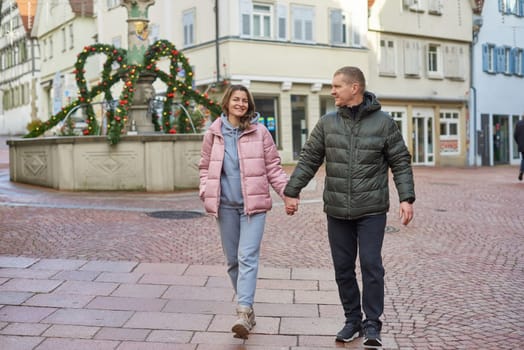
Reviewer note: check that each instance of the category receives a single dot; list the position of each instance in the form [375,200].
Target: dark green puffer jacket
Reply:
[358,151]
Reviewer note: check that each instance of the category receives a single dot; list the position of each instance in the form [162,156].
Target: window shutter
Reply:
[281,22]
[512,57]
[246,8]
[411,58]
[485,61]
[501,64]
[521,58]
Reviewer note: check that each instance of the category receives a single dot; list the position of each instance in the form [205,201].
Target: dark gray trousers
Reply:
[365,237]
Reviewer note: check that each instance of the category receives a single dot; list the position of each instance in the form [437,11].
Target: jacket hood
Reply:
[229,127]
[369,105]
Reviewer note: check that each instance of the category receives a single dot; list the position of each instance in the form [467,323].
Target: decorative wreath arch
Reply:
[176,87]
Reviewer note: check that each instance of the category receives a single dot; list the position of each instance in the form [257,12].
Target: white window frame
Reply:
[246,7]
[71,36]
[337,27]
[447,119]
[303,23]
[64,39]
[281,22]
[434,61]
[414,5]
[188,27]
[518,65]
[262,21]
[507,61]
[399,114]
[387,57]
[435,7]
[154,33]
[111,4]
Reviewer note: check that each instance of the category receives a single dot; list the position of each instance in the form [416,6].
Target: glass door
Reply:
[422,140]
[501,139]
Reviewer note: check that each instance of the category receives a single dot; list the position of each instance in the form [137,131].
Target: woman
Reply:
[239,161]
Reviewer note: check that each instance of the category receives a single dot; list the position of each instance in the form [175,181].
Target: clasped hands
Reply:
[291,205]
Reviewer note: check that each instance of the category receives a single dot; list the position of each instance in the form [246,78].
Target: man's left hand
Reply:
[406,212]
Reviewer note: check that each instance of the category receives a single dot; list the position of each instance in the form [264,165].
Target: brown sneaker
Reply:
[244,323]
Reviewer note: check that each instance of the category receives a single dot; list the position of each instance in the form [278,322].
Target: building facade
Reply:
[415,54]
[63,29]
[497,81]
[284,51]
[19,66]
[419,68]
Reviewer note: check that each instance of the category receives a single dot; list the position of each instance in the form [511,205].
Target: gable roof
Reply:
[27,10]
[82,7]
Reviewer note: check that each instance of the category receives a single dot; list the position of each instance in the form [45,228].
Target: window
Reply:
[434,60]
[414,5]
[113,3]
[518,62]
[23,50]
[262,21]
[411,58]
[245,17]
[508,62]
[281,22]
[489,62]
[154,33]
[268,109]
[435,7]
[188,21]
[387,58]
[302,19]
[500,57]
[50,48]
[449,132]
[44,50]
[399,116]
[337,32]
[64,39]
[71,37]
[454,62]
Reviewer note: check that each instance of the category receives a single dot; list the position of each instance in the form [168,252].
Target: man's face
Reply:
[343,91]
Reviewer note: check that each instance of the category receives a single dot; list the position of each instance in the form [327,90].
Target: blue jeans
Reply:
[522,162]
[241,237]
[365,237]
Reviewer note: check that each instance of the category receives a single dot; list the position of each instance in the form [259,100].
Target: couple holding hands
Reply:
[359,143]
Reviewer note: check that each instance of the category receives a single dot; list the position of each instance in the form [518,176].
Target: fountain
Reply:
[129,154]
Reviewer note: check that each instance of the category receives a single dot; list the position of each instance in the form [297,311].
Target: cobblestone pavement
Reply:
[98,270]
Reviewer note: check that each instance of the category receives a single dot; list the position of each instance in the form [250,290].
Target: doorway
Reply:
[299,125]
[501,139]
[422,140]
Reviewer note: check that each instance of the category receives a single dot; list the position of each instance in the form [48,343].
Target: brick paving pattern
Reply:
[94,270]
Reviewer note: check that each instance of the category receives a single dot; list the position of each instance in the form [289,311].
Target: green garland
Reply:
[176,87]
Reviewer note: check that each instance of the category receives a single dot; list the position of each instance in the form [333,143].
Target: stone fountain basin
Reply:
[149,162]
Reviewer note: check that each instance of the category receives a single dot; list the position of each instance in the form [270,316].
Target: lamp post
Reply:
[138,42]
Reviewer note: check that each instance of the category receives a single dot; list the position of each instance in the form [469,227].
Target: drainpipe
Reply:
[477,24]
[217,49]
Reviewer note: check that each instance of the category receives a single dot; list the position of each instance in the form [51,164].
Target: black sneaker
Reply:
[372,338]
[351,331]
[520,176]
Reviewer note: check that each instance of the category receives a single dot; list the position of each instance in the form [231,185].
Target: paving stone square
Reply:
[92,271]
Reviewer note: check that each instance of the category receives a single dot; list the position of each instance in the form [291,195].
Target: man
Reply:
[519,139]
[359,143]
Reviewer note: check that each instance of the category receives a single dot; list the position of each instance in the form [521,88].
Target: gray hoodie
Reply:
[230,184]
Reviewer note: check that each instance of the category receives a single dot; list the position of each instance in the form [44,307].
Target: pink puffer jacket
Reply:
[259,167]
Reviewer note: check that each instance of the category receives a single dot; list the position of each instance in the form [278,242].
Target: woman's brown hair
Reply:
[245,121]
